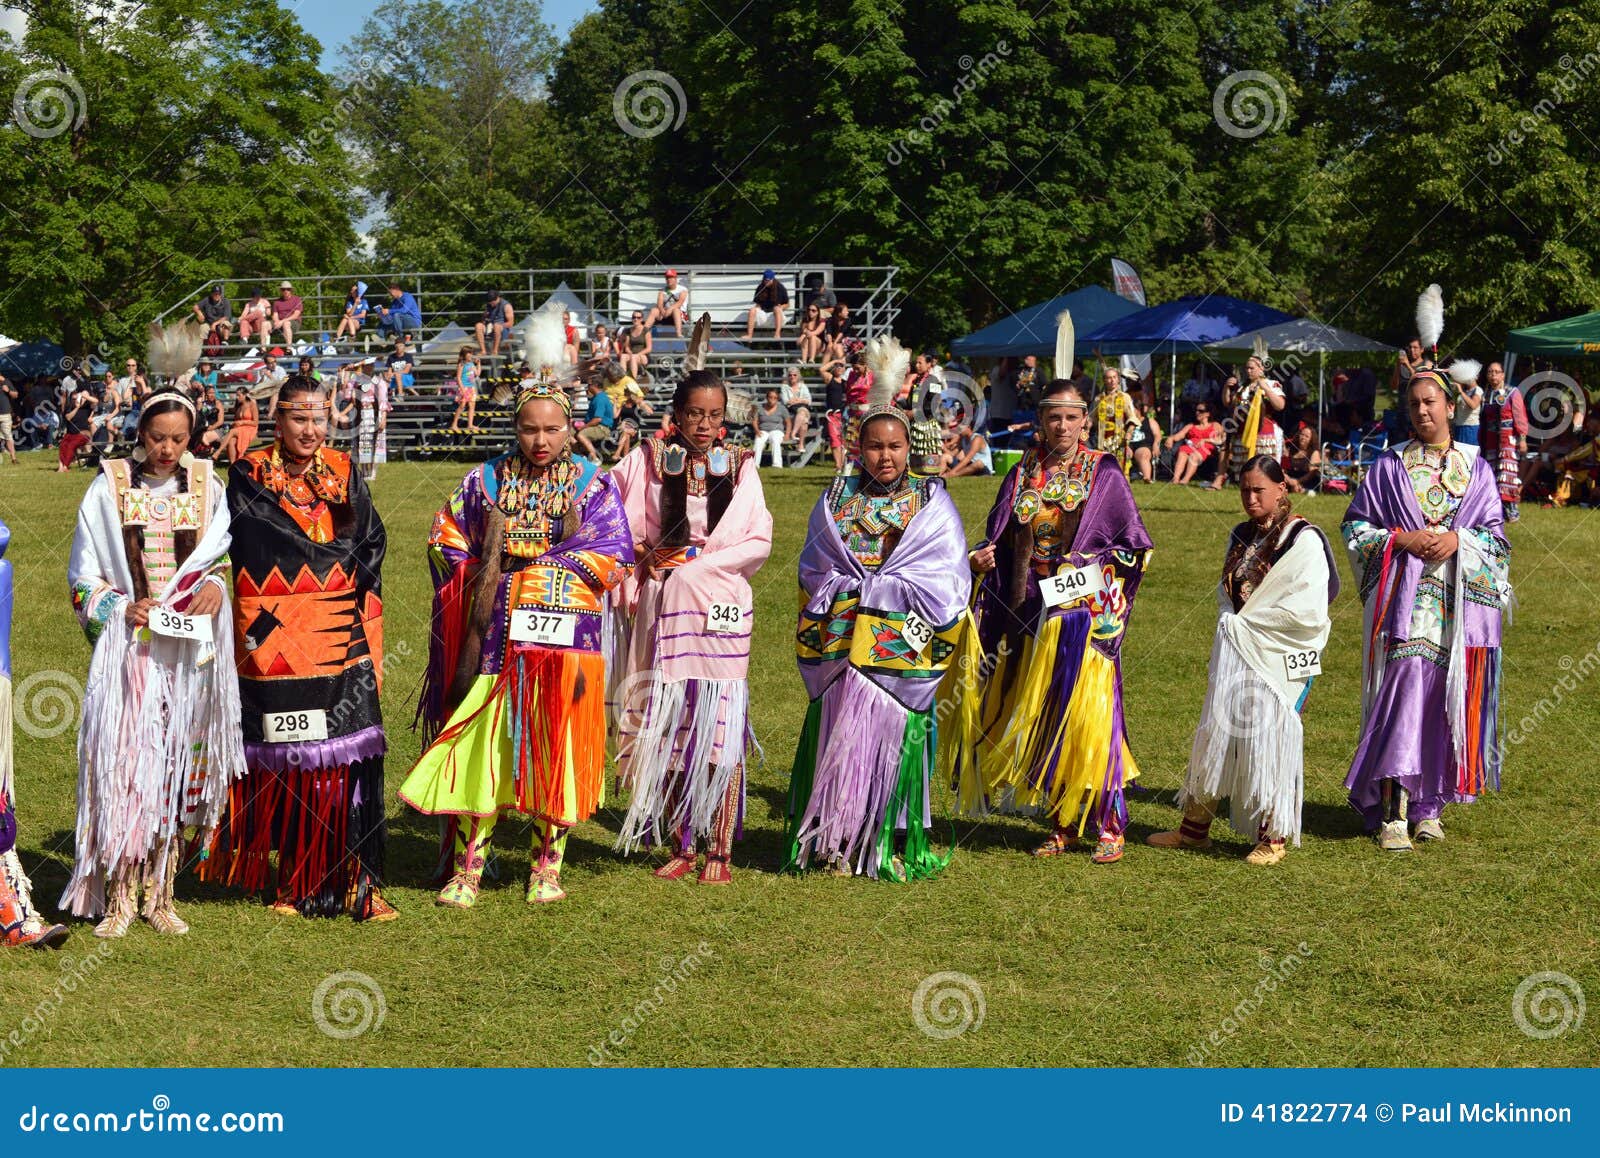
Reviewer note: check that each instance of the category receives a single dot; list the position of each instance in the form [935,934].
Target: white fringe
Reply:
[11,869]
[1248,748]
[7,788]
[651,759]
[149,729]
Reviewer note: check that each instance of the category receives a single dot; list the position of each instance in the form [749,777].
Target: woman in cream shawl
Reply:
[1277,581]
[160,739]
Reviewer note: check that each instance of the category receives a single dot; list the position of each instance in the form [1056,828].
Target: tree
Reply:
[162,144]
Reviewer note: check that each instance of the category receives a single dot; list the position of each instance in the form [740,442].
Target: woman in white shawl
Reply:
[160,739]
[1277,582]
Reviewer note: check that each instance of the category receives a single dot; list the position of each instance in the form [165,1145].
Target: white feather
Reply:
[1463,371]
[889,361]
[173,350]
[1066,343]
[1430,315]
[547,340]
[694,355]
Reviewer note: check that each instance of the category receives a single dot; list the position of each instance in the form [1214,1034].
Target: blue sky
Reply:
[335,21]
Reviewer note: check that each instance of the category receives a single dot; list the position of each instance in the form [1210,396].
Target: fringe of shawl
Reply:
[1249,748]
[678,754]
[158,750]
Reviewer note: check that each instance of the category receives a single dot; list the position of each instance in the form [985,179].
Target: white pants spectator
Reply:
[774,439]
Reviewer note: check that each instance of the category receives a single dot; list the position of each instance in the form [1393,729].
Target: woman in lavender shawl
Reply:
[1429,551]
[1053,735]
[883,579]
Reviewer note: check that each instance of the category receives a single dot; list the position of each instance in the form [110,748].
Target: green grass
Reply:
[1413,959]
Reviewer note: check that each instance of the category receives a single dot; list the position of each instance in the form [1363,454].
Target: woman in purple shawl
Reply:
[1429,550]
[1059,571]
[884,580]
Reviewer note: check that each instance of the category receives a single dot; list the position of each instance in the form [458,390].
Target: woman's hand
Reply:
[1438,548]
[206,600]
[982,560]
[138,612]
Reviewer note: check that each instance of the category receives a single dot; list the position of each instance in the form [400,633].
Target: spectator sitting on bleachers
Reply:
[77,418]
[268,379]
[840,329]
[216,315]
[769,303]
[823,298]
[569,352]
[308,369]
[498,318]
[768,423]
[813,334]
[207,434]
[287,309]
[633,347]
[355,313]
[255,320]
[398,369]
[401,316]
[797,397]
[597,427]
[672,305]
[631,417]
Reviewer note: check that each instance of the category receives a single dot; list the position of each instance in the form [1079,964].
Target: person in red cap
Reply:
[672,305]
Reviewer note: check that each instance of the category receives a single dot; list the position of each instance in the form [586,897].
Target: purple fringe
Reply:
[335,753]
[1069,660]
[858,766]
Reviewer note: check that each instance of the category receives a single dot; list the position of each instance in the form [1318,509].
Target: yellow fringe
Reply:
[1005,761]
[960,728]
[1252,427]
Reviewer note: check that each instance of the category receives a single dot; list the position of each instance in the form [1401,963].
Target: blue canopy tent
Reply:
[1187,324]
[1033,330]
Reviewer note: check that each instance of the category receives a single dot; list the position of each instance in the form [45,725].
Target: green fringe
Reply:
[800,781]
[917,750]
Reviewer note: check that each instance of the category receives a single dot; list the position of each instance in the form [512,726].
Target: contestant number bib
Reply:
[551,628]
[917,632]
[173,625]
[1070,585]
[725,619]
[294,727]
[1302,665]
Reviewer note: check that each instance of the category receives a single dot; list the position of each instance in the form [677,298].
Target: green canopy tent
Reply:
[1577,337]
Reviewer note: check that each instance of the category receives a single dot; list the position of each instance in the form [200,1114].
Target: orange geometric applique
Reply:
[304,581]
[298,636]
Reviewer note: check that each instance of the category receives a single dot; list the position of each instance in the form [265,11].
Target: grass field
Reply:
[1373,959]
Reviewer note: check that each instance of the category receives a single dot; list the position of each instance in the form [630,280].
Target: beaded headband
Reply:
[175,396]
[545,392]
[310,406]
[1077,403]
[890,411]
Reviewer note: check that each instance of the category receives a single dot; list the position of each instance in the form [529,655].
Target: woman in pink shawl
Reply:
[680,696]
[884,579]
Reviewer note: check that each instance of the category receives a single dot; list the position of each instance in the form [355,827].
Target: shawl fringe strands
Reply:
[159,748]
[1249,746]
[871,741]
[527,730]
[1053,732]
[680,700]
[309,623]
[1389,580]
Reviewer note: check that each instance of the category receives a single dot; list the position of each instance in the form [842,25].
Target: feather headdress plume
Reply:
[1464,371]
[547,343]
[694,357]
[1066,343]
[1258,350]
[172,350]
[1430,316]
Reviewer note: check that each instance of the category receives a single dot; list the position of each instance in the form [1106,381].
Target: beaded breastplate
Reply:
[671,458]
[306,496]
[1439,479]
[1045,496]
[533,502]
[870,520]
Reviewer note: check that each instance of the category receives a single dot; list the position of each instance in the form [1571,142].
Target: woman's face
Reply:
[1202,415]
[1062,427]
[164,438]
[885,449]
[302,432]
[638,318]
[1253,369]
[542,431]
[701,416]
[1429,410]
[1260,495]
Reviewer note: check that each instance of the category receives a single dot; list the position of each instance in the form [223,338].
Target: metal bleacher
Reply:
[451,302]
